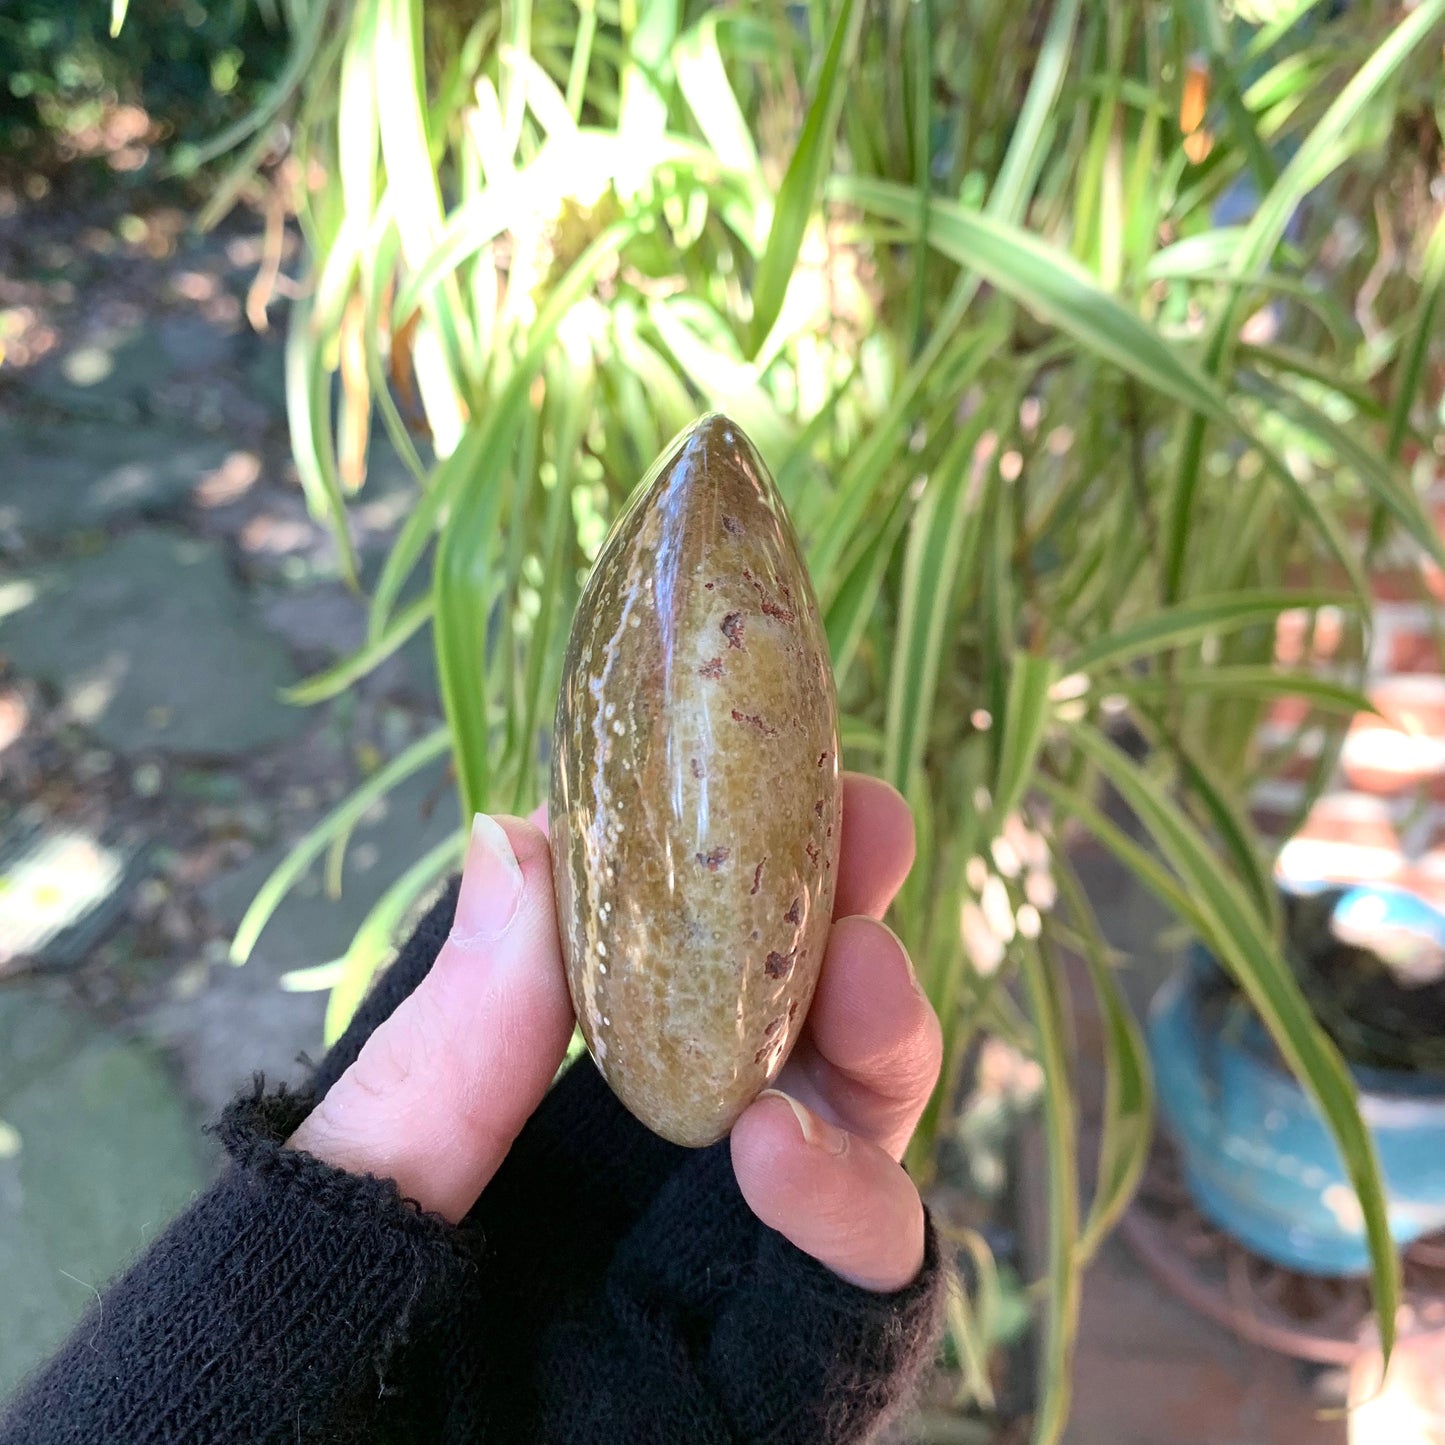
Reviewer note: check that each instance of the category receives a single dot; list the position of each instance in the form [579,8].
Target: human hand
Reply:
[830,1179]
[439,1091]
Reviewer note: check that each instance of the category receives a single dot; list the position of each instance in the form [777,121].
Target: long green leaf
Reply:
[1342,328]
[505,678]
[1281,18]
[1051,284]
[998,616]
[970,1329]
[412,186]
[117,16]
[1293,362]
[284,877]
[942,538]
[1365,463]
[803,182]
[400,90]
[703,80]
[340,675]
[581,59]
[701,345]
[1430,315]
[308,388]
[1017,176]
[853,605]
[1238,936]
[423,520]
[1201,254]
[357,127]
[1249,680]
[566,165]
[1201,780]
[467,584]
[872,466]
[650,27]
[861,481]
[518,31]
[1320,520]
[1041,979]
[1023,727]
[416,531]
[918,81]
[1209,25]
[1128,1082]
[315,978]
[336,283]
[1140,861]
[1321,151]
[1190,621]
[569,394]
[377,268]
[189,159]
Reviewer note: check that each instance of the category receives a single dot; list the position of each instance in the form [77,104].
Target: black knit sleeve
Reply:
[273,1309]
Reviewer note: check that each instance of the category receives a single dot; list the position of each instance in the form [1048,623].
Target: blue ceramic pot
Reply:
[1257,1156]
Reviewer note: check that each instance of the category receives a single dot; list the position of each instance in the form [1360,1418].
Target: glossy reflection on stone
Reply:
[696,806]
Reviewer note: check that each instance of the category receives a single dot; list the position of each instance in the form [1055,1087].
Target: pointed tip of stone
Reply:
[717,439]
[715,459]
[705,454]
[713,429]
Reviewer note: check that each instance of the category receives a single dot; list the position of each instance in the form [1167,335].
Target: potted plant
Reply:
[1257,1157]
[958,277]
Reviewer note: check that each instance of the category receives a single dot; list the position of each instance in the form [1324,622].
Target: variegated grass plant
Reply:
[1060,437]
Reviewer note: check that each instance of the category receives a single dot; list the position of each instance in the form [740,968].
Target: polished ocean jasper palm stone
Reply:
[696,805]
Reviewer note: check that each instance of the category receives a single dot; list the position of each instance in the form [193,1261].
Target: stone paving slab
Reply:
[327,621]
[113,369]
[121,369]
[65,477]
[231,1022]
[152,646]
[97,1152]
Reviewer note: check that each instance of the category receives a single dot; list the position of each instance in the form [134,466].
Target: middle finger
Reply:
[870,1055]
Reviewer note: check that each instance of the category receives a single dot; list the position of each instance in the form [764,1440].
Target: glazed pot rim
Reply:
[1386,1096]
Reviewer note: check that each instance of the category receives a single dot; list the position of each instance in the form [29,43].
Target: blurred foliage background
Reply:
[1084,342]
[195,65]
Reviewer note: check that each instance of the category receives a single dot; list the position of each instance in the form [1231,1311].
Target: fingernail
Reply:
[903,962]
[492,885]
[817,1133]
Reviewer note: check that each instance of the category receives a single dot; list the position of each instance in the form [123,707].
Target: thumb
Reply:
[440,1090]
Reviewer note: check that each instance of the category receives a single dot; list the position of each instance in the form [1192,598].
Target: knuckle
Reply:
[907,1067]
[405,1055]
[928,1053]
[385,1066]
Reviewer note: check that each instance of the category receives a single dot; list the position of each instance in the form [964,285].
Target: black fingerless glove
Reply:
[608,1287]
